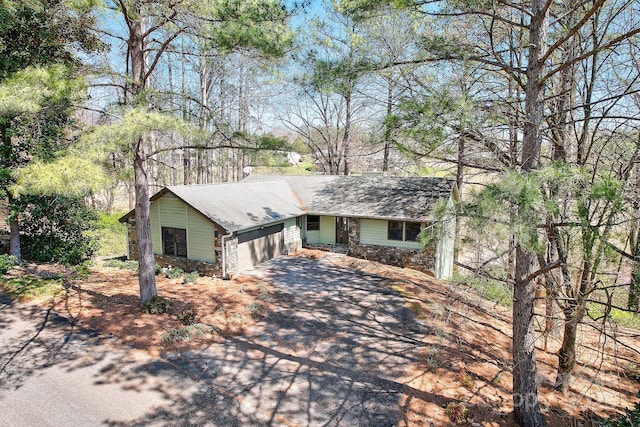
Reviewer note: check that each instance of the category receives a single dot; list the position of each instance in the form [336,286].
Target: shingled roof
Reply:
[381,197]
[263,199]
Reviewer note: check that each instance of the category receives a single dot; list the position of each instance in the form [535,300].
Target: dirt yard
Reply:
[465,358]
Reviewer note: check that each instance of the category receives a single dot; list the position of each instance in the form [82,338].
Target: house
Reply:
[223,229]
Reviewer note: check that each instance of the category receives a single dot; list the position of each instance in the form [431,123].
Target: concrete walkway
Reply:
[334,352]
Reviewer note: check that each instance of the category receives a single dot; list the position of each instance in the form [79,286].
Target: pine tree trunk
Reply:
[14,239]
[387,128]
[146,260]
[525,383]
[525,386]
[346,136]
[567,356]
[633,301]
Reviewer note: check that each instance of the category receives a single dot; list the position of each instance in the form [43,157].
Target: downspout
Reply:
[224,251]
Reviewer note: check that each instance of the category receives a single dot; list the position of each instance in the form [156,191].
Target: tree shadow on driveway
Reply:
[347,337]
[334,351]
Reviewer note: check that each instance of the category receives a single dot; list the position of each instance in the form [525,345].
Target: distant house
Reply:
[226,228]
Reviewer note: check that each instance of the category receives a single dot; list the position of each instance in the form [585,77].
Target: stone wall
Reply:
[231,258]
[354,231]
[421,260]
[132,241]
[188,265]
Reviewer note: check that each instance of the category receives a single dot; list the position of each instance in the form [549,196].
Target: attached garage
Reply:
[224,229]
[260,245]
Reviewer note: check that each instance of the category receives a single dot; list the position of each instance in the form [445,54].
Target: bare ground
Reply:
[464,363]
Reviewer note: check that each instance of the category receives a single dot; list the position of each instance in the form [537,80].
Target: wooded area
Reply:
[533,107]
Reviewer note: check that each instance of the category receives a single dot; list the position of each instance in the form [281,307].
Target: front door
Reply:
[342,230]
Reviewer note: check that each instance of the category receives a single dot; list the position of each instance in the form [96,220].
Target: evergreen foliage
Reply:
[6,262]
[57,229]
[631,418]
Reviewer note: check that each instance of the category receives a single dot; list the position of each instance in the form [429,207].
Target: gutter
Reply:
[224,251]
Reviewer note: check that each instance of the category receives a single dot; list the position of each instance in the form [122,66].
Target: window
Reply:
[411,231]
[394,230]
[403,231]
[174,242]
[313,223]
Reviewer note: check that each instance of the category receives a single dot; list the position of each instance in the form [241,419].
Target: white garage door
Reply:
[260,245]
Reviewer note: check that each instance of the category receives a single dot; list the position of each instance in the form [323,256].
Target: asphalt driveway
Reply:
[335,351]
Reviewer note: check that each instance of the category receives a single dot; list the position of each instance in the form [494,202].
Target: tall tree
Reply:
[333,61]
[521,41]
[152,29]
[38,72]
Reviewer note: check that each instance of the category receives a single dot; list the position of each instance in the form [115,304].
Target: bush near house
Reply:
[57,229]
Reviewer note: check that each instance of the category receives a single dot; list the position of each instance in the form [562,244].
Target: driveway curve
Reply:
[335,351]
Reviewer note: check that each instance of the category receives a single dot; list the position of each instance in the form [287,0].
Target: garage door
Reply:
[258,246]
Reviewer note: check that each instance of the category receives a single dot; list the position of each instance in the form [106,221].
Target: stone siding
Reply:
[354,231]
[231,258]
[421,260]
[132,241]
[188,265]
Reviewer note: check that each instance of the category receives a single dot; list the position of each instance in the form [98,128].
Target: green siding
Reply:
[326,234]
[156,236]
[291,231]
[328,230]
[313,236]
[169,211]
[374,232]
[200,237]
[172,212]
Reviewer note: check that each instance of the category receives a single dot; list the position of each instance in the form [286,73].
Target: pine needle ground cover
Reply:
[461,377]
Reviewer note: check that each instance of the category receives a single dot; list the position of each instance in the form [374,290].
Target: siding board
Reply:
[169,211]
[156,239]
[200,237]
[327,230]
[291,231]
[374,232]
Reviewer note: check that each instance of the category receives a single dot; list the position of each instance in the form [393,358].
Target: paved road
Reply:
[52,374]
[334,352]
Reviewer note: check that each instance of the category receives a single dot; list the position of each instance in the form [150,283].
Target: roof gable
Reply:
[241,205]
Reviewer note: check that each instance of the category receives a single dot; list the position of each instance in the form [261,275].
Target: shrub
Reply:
[176,335]
[191,277]
[82,271]
[256,310]
[187,333]
[263,294]
[110,234]
[623,318]
[6,262]
[174,272]
[631,418]
[157,305]
[457,412]
[187,317]
[57,229]
[124,265]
